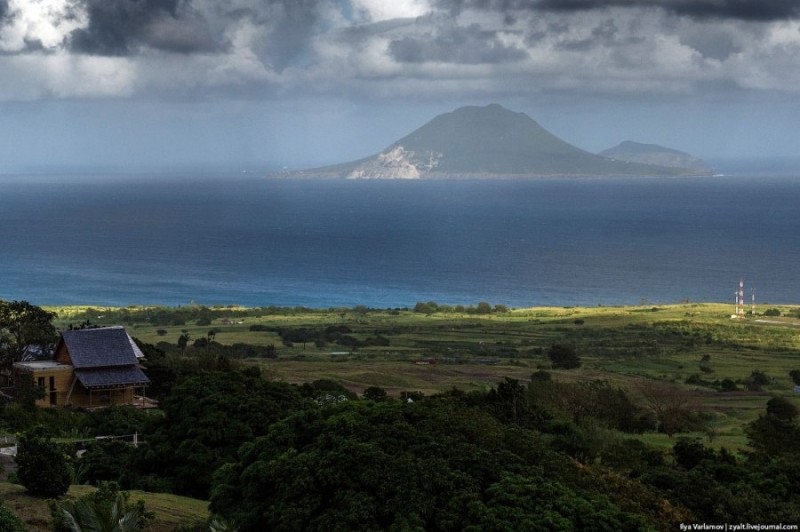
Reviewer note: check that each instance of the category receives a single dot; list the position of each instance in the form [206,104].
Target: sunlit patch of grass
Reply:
[170,510]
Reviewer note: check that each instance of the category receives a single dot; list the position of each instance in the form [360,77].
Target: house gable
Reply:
[62,354]
[99,348]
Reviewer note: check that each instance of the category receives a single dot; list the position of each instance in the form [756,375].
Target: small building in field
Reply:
[90,368]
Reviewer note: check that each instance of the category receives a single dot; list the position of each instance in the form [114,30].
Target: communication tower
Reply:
[740,299]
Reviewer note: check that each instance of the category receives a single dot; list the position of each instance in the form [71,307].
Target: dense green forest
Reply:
[555,444]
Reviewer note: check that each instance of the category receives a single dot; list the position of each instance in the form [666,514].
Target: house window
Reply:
[53,394]
[40,382]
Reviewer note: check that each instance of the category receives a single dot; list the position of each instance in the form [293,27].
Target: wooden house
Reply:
[90,368]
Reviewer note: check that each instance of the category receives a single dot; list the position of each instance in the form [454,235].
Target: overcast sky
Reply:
[138,84]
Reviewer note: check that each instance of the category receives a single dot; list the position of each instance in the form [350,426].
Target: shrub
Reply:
[107,508]
[632,456]
[105,460]
[375,393]
[114,420]
[541,376]
[689,453]
[378,340]
[411,396]
[426,307]
[270,351]
[563,356]
[772,312]
[756,380]
[483,308]
[323,387]
[695,379]
[782,409]
[9,522]
[42,465]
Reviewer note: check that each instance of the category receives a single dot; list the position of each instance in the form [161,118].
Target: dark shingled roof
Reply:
[112,377]
[99,348]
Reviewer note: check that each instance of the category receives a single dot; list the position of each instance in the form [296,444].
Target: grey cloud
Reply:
[464,45]
[711,42]
[3,9]
[356,36]
[748,10]
[118,27]
[293,23]
[606,31]
[603,34]
[285,27]
[755,10]
[538,33]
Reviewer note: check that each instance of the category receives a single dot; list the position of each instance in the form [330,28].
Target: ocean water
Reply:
[232,239]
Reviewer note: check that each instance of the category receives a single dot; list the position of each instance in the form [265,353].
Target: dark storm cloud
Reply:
[755,10]
[4,16]
[292,25]
[119,27]
[748,10]
[284,27]
[464,45]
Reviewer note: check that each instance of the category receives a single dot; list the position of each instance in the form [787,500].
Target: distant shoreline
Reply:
[328,176]
[73,309]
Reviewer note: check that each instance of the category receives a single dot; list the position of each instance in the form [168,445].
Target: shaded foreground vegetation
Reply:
[537,419]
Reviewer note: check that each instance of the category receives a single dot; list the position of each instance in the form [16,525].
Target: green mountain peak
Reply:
[489,141]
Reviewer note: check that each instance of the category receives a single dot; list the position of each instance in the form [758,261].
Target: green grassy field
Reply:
[170,511]
[626,346]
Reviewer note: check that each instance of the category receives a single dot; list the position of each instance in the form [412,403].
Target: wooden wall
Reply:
[58,394]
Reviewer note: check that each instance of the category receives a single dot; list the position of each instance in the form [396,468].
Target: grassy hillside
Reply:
[171,511]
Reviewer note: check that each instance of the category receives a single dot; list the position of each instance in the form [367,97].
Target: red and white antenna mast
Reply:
[740,299]
[753,301]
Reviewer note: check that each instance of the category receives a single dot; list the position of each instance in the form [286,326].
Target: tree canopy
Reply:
[23,326]
[563,356]
[206,418]
[43,466]
[439,465]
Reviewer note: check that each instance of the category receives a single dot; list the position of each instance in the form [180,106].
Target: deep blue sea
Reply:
[232,239]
